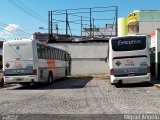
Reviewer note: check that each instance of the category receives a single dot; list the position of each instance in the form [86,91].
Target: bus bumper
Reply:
[130,79]
[19,79]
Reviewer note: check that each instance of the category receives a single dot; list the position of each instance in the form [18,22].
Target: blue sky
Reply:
[13,17]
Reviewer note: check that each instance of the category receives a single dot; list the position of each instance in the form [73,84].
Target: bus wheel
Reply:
[66,72]
[50,78]
[2,83]
[113,83]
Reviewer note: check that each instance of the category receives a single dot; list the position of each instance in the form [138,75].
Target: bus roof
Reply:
[25,41]
[132,35]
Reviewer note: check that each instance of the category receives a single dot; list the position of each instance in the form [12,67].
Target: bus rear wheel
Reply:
[50,78]
[2,83]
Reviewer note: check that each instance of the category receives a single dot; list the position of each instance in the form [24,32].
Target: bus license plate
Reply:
[19,79]
[130,70]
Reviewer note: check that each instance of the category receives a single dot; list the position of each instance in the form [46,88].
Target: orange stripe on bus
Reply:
[52,66]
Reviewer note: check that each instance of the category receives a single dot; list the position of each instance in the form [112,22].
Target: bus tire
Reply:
[2,83]
[50,78]
[66,72]
[114,84]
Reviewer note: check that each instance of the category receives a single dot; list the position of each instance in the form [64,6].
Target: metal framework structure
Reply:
[67,21]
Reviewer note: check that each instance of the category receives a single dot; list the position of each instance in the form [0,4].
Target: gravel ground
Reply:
[84,98]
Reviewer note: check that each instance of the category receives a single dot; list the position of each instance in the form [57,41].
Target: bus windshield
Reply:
[130,43]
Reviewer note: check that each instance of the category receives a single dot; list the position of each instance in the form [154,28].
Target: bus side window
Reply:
[47,53]
[61,55]
[55,52]
[58,55]
[43,53]
[64,56]
[51,52]
[40,53]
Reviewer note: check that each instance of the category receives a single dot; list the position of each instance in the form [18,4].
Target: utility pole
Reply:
[90,24]
[66,22]
[49,22]
[50,26]
[57,28]
[93,27]
[81,26]
[116,21]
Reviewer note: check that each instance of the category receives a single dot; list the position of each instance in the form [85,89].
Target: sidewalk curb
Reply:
[157,85]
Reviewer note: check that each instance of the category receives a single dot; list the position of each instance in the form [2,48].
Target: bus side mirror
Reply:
[106,59]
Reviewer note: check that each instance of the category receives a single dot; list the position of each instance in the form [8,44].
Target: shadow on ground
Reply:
[134,85]
[8,85]
[69,83]
[155,80]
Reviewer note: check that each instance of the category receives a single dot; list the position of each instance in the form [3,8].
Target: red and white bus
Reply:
[30,61]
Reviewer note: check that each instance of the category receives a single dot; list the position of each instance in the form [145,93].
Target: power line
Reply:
[13,32]
[16,31]
[59,20]
[31,10]
[35,15]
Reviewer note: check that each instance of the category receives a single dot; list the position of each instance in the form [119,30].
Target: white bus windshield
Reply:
[130,43]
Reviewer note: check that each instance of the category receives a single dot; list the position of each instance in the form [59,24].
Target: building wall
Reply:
[132,29]
[149,16]
[148,27]
[155,54]
[87,58]
[143,21]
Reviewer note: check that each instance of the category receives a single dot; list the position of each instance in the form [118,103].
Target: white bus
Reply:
[29,61]
[1,65]
[129,60]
